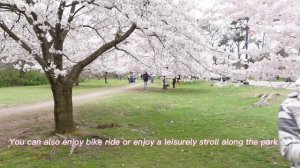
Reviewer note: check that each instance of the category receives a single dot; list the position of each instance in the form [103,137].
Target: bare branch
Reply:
[68,58]
[23,44]
[15,37]
[81,64]
[2,49]
[61,9]
[10,7]
[198,62]
[30,2]
[154,34]
[77,2]
[125,51]
[204,67]
[88,26]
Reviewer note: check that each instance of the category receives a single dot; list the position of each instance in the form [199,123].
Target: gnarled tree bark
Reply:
[63,107]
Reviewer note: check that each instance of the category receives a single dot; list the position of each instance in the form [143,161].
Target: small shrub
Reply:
[34,78]
[9,77]
[12,77]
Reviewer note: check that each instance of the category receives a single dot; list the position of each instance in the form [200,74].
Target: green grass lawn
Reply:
[191,111]
[10,96]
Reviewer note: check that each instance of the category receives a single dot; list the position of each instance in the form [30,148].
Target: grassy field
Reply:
[10,96]
[194,111]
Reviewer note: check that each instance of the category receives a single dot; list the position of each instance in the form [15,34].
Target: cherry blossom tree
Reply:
[64,37]
[272,31]
[163,37]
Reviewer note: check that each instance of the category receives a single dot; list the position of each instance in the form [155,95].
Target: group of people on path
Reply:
[175,80]
[146,77]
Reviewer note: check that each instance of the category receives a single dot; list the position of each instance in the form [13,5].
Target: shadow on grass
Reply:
[82,86]
[98,85]
[176,90]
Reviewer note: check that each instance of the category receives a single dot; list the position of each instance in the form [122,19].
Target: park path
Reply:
[48,105]
[275,85]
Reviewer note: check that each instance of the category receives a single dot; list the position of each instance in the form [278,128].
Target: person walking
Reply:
[174,82]
[289,127]
[105,78]
[178,79]
[145,77]
[165,82]
[151,78]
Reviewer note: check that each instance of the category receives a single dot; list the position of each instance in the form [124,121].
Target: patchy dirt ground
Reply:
[17,122]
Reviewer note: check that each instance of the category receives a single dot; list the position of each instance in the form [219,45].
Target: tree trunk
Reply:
[22,70]
[247,40]
[238,50]
[63,108]
[77,81]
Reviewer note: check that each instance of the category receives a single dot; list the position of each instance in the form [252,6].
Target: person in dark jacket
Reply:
[105,78]
[145,79]
[174,82]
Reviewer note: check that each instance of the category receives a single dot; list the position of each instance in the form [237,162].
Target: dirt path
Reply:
[41,107]
[275,85]
[32,120]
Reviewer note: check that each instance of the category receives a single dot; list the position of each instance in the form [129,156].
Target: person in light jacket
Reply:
[289,127]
